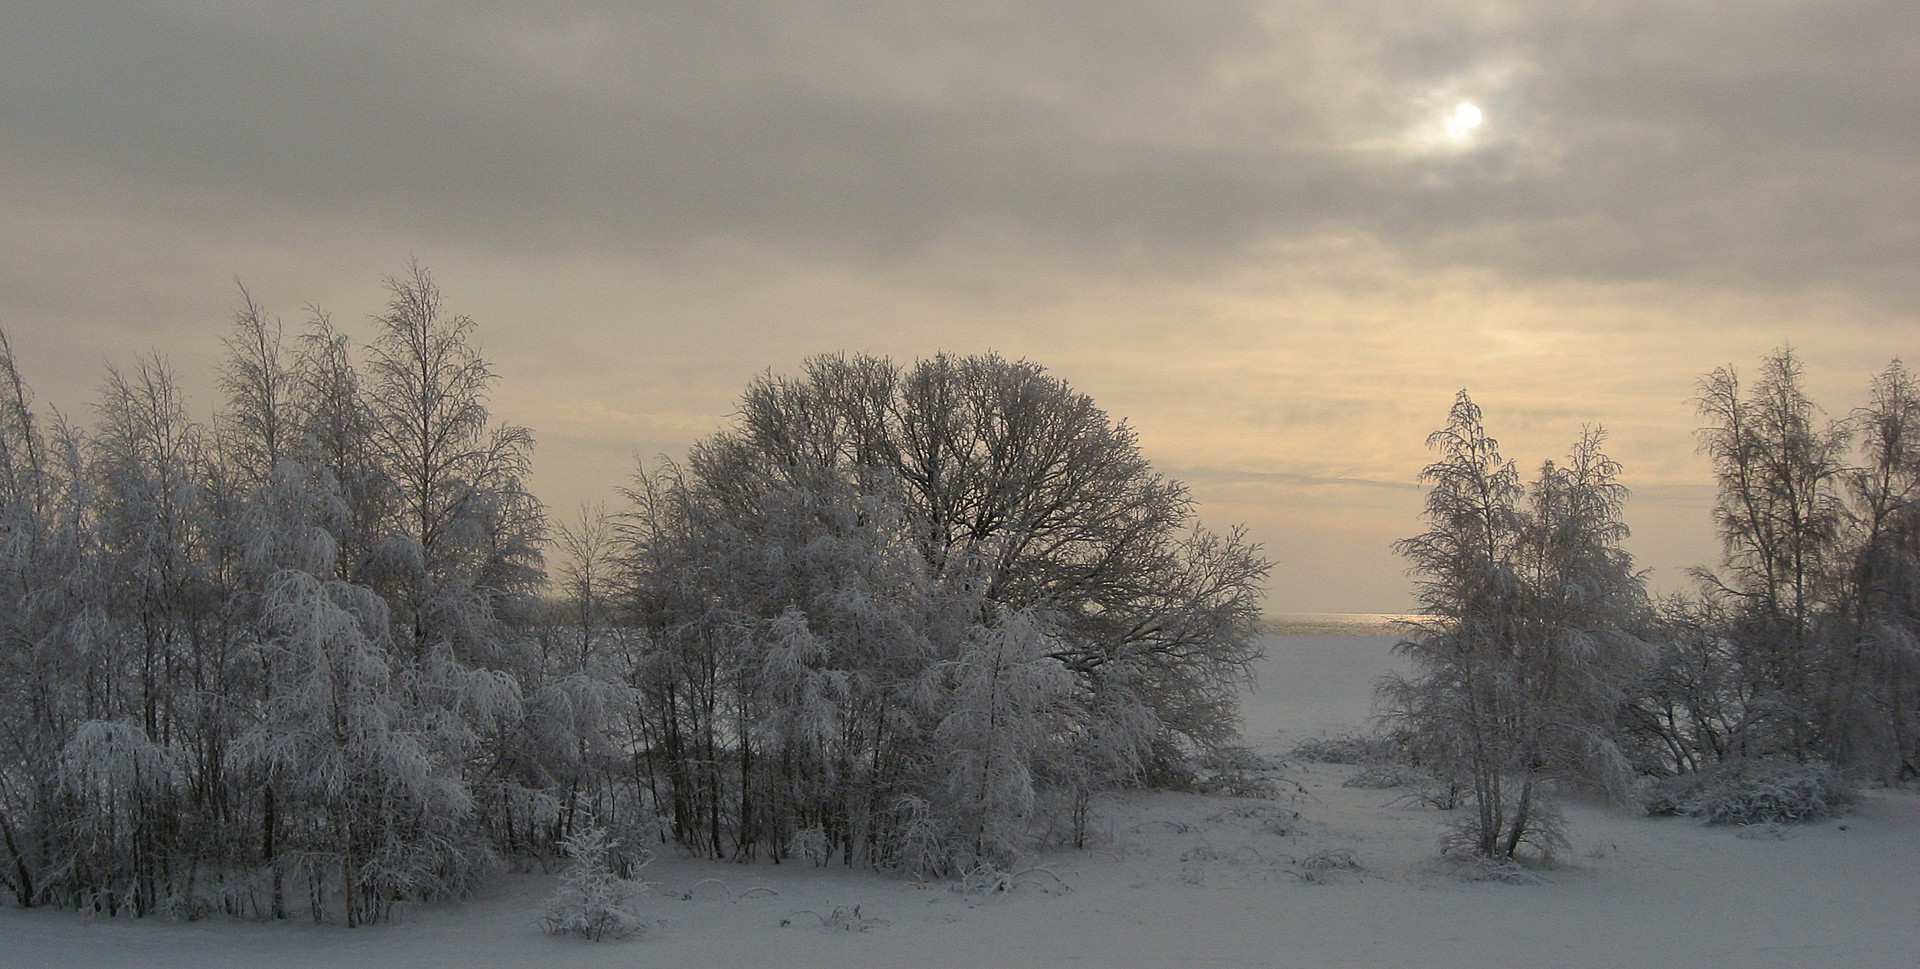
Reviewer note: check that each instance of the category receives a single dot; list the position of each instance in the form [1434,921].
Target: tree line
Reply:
[305,658]
[276,660]
[1540,663]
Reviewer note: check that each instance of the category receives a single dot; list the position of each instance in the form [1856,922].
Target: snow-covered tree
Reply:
[589,560]
[816,578]
[1874,713]
[1580,638]
[1527,634]
[51,630]
[460,478]
[276,654]
[148,460]
[118,791]
[473,536]
[570,746]
[372,810]
[1778,467]
[165,662]
[789,637]
[593,899]
[1810,621]
[1024,492]
[259,428]
[269,521]
[1005,717]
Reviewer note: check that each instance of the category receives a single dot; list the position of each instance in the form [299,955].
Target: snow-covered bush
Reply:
[810,845]
[843,918]
[1235,771]
[1545,833]
[592,900]
[1380,777]
[921,842]
[1756,791]
[1328,865]
[1348,748]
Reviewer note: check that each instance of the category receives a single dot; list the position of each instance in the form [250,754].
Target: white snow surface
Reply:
[1178,880]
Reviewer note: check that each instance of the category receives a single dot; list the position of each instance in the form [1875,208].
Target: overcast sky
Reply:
[1247,228]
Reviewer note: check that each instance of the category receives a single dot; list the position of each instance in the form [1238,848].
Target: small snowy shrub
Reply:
[1380,777]
[1281,827]
[988,879]
[1759,791]
[1328,865]
[921,846]
[1235,771]
[592,900]
[811,844]
[843,918]
[1505,871]
[1349,748]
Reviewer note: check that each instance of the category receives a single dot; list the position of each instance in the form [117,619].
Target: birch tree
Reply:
[1527,636]
[1003,721]
[1778,468]
[1801,646]
[43,536]
[275,656]
[1874,713]
[459,477]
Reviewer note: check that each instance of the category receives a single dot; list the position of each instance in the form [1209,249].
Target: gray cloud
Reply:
[1624,142]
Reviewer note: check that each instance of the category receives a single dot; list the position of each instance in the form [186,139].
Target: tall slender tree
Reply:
[1778,467]
[459,477]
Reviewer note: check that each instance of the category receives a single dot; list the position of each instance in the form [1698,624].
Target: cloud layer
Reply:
[1241,225]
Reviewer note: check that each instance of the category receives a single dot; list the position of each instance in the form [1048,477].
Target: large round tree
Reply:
[901,516]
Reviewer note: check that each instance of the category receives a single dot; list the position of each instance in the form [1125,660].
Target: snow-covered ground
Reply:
[1181,880]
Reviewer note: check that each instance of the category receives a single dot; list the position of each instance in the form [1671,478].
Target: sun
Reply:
[1465,118]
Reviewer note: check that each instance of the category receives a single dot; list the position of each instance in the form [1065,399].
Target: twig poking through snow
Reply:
[693,891]
[843,917]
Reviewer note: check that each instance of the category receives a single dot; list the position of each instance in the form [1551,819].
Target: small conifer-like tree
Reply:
[593,899]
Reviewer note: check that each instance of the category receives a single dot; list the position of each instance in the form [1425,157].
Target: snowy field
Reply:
[1180,880]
